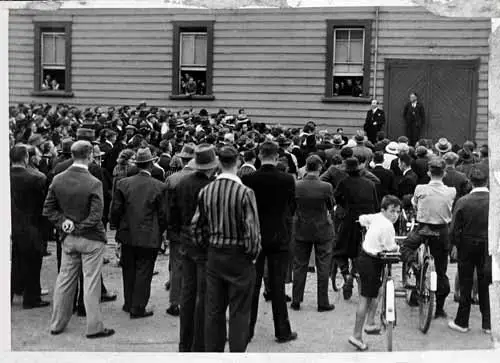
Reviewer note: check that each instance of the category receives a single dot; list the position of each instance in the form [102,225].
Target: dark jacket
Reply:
[407,184]
[275,195]
[455,179]
[414,116]
[110,159]
[374,122]
[387,182]
[356,196]
[420,167]
[139,211]
[27,195]
[470,219]
[77,195]
[314,200]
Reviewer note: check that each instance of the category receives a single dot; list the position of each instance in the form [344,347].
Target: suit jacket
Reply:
[173,220]
[105,147]
[407,184]
[455,179]
[27,195]
[314,199]
[470,219]
[139,211]
[77,195]
[370,128]
[275,195]
[110,159]
[414,115]
[387,181]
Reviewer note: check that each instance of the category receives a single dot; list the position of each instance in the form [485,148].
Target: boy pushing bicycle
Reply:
[380,237]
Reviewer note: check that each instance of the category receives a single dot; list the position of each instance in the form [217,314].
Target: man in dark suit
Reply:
[386,176]
[408,182]
[414,116]
[470,237]
[453,177]
[27,191]
[275,194]
[374,122]
[139,211]
[421,165]
[314,227]
[75,204]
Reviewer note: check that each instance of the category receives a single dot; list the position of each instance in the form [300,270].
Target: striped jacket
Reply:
[226,216]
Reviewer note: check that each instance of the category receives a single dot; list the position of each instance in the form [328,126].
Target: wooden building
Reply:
[283,66]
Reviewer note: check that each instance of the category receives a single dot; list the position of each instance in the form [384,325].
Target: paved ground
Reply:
[318,332]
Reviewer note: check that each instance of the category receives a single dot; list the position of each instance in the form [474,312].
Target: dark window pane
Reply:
[348,86]
[53,79]
[193,82]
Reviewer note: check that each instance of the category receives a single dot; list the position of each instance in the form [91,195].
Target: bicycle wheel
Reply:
[427,298]
[390,327]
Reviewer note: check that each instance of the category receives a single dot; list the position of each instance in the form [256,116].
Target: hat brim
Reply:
[146,161]
[99,155]
[340,143]
[212,165]
[185,155]
[448,148]
[391,151]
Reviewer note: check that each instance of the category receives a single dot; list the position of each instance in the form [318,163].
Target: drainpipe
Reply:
[376,53]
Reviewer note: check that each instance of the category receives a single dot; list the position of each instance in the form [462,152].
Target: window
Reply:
[52,59]
[348,61]
[192,60]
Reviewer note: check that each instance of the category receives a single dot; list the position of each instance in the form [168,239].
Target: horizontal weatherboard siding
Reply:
[270,61]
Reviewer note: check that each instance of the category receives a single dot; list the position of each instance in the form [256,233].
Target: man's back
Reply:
[275,195]
[471,217]
[77,195]
[434,202]
[362,150]
[456,179]
[407,184]
[386,177]
[142,199]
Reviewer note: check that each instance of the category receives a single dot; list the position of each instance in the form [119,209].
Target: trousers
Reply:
[79,252]
[230,282]
[175,261]
[25,274]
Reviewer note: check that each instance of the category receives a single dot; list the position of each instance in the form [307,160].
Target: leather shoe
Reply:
[326,308]
[126,309]
[288,298]
[440,314]
[38,304]
[167,285]
[292,336]
[81,312]
[55,332]
[295,306]
[102,334]
[173,310]
[143,314]
[108,297]
[267,296]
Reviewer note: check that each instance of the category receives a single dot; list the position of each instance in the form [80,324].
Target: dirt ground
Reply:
[317,332]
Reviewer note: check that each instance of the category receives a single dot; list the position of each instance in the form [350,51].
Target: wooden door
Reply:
[447,90]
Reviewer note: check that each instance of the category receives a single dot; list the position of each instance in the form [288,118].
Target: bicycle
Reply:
[388,314]
[424,293]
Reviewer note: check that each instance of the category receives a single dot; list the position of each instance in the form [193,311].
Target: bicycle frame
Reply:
[424,254]
[388,312]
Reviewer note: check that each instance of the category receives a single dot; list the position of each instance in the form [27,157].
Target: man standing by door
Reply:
[375,120]
[275,194]
[414,116]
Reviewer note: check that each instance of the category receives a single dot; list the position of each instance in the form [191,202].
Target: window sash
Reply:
[58,58]
[198,58]
[348,42]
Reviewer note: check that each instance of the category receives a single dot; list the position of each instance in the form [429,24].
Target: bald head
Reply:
[81,151]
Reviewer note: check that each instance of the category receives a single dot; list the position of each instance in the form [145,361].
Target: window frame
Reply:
[192,26]
[331,25]
[40,28]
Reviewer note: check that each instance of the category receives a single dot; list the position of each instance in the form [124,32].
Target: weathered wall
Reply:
[270,61]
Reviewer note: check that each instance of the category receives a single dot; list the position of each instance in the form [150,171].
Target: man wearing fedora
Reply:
[391,153]
[443,146]
[227,222]
[361,148]
[248,166]
[337,143]
[414,116]
[184,200]
[275,193]
[139,212]
[173,231]
[374,122]
[283,144]
[75,204]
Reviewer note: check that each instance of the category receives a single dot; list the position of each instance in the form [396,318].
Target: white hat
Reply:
[392,148]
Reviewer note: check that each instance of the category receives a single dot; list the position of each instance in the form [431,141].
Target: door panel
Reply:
[403,81]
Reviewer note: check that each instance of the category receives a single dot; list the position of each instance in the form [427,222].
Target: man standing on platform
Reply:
[414,116]
[375,121]
[226,220]
[139,212]
[275,194]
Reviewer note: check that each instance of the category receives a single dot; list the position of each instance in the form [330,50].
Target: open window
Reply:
[192,60]
[348,61]
[52,59]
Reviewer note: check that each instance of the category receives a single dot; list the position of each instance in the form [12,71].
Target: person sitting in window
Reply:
[202,88]
[46,85]
[191,87]
[357,90]
[336,89]
[348,87]
[184,82]
[54,85]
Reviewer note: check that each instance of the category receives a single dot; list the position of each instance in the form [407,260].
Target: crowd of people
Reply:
[237,203]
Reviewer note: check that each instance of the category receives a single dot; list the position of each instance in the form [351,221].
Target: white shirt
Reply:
[388,158]
[229,176]
[78,165]
[380,235]
[480,189]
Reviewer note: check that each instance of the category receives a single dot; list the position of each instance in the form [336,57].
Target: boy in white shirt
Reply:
[380,237]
